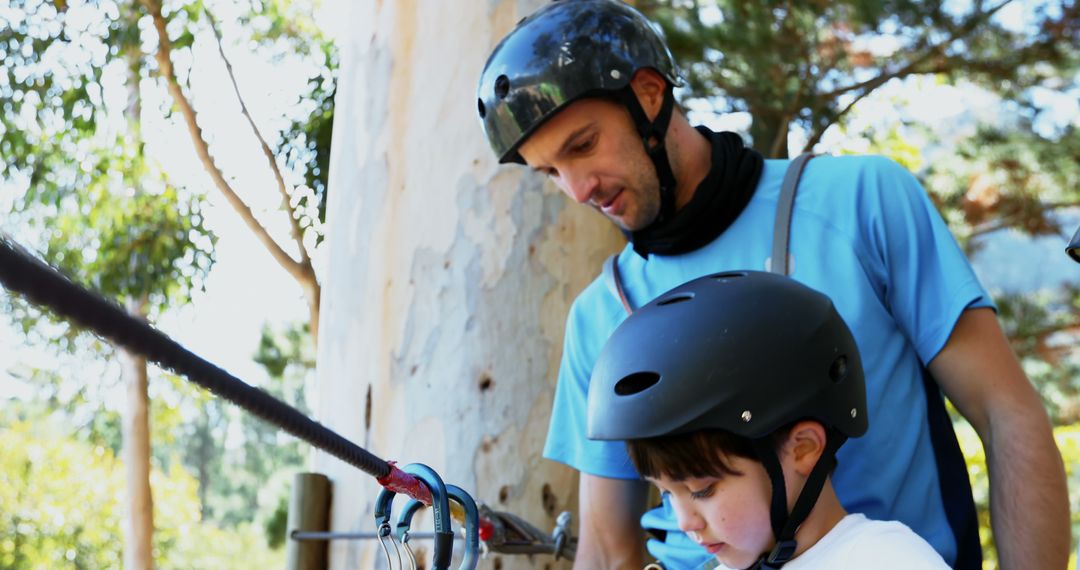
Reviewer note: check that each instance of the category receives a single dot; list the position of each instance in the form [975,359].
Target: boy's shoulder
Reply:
[859,542]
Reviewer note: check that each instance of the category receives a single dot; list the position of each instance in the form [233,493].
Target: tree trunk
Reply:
[449,276]
[769,133]
[139,522]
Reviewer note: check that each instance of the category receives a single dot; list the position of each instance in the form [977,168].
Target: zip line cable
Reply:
[23,273]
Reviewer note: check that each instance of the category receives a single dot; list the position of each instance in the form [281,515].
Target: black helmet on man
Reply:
[566,51]
[746,352]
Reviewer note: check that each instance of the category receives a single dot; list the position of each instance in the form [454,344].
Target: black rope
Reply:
[41,284]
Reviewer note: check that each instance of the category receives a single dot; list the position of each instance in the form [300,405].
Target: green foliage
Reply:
[277,524]
[1068,442]
[51,79]
[306,146]
[1008,178]
[94,205]
[806,64]
[60,508]
[47,520]
[286,29]
[287,354]
[91,202]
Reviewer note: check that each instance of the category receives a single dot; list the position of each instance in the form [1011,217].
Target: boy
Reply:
[734,392]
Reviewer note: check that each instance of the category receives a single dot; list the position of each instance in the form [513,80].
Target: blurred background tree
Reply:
[91,195]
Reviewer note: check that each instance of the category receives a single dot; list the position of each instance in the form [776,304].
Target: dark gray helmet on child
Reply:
[566,51]
[747,352]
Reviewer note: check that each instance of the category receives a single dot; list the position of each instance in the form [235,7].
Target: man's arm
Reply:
[1029,502]
[610,535]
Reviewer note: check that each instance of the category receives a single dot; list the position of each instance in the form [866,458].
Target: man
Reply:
[582,92]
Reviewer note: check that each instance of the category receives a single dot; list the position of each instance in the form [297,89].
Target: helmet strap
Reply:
[785,524]
[652,137]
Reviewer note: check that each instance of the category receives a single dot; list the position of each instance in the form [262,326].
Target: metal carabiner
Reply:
[384,531]
[405,524]
[382,523]
[440,505]
[472,526]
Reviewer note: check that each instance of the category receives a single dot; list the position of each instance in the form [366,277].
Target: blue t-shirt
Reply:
[864,233]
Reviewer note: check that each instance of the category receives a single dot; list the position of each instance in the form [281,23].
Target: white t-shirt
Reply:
[857,543]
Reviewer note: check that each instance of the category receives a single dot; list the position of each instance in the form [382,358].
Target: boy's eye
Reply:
[703,493]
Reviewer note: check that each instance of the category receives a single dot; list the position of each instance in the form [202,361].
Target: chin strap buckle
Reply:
[781,553]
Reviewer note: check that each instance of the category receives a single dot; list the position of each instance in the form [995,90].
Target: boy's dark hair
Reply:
[702,453]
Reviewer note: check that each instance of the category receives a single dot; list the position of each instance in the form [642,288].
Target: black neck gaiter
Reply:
[716,203]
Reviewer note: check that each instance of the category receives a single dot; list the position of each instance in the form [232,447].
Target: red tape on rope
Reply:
[401,482]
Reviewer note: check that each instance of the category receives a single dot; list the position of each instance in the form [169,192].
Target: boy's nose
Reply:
[687,517]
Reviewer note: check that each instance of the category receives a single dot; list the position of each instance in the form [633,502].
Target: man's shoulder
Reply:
[832,185]
[856,171]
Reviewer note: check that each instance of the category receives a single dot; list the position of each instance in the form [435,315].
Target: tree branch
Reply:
[815,137]
[1007,221]
[164,60]
[911,67]
[297,232]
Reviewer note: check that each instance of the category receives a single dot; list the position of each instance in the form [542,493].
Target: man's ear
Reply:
[805,445]
[649,86]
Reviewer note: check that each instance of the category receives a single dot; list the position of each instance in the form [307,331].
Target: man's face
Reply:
[593,153]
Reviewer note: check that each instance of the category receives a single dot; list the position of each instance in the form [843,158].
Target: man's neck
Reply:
[692,154]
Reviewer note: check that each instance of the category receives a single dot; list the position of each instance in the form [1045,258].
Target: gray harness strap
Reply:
[614,283]
[781,233]
[784,206]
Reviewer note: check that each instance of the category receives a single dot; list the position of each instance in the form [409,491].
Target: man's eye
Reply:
[585,145]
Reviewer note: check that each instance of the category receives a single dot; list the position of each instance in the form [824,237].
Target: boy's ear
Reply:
[805,444]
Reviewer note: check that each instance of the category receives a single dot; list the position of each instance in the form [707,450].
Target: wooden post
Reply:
[309,507]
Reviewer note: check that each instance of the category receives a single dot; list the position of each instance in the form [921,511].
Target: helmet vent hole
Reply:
[728,275]
[839,369]
[636,382]
[480,106]
[679,298]
[502,86]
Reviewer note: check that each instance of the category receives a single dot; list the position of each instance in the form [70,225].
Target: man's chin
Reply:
[624,225]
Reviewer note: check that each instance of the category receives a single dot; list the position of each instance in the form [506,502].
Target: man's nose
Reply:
[580,186]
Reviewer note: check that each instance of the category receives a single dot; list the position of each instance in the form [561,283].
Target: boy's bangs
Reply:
[698,454]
